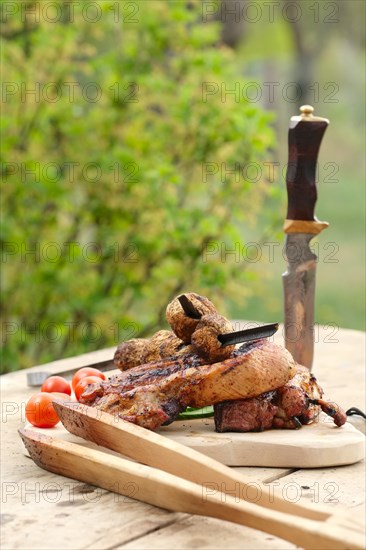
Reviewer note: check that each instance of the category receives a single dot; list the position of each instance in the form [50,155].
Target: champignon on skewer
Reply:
[184,325]
[212,337]
[131,353]
[205,338]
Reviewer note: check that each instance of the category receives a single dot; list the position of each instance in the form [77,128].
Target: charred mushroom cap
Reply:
[182,325]
[131,353]
[205,338]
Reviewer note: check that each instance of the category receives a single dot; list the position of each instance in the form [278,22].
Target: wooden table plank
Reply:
[342,487]
[207,533]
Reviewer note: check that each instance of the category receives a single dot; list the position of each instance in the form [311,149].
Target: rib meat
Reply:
[296,403]
[143,375]
[154,394]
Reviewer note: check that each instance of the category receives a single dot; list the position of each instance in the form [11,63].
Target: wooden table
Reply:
[42,510]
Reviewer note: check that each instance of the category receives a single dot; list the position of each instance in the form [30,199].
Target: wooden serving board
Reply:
[319,445]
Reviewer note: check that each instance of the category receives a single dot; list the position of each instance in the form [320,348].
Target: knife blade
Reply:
[35,379]
[301,225]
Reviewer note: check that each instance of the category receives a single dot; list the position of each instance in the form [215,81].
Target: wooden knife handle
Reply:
[304,139]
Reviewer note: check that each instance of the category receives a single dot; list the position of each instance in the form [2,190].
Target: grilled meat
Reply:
[131,353]
[296,403]
[142,375]
[152,395]
[182,325]
[331,409]
[246,415]
[168,344]
[139,351]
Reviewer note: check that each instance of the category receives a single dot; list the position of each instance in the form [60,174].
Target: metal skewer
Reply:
[230,338]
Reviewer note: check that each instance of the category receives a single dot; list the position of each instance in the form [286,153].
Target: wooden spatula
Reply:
[175,493]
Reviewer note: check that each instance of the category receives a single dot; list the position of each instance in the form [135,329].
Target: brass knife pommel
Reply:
[306,115]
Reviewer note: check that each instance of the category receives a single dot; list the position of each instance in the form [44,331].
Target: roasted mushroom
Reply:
[182,325]
[205,338]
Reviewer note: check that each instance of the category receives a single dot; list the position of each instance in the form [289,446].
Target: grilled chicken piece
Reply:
[296,403]
[140,351]
[159,394]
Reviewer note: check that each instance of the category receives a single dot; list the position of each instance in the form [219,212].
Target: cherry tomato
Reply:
[83,383]
[39,411]
[56,384]
[85,371]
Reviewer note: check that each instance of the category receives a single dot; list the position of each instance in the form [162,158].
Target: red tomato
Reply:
[84,382]
[56,384]
[85,371]
[39,411]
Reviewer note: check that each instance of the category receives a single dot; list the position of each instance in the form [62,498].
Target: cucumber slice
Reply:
[190,413]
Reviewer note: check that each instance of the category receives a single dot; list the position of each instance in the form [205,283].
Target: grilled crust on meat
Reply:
[287,407]
[130,353]
[142,375]
[259,367]
[139,351]
[296,403]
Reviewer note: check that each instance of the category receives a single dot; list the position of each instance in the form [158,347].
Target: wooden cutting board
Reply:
[318,445]
[321,444]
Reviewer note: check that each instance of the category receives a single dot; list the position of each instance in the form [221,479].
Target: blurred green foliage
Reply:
[108,210]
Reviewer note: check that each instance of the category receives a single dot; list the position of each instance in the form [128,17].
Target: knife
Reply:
[301,225]
[35,379]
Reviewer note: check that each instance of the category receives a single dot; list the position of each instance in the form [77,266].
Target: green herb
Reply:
[191,413]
